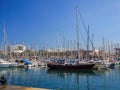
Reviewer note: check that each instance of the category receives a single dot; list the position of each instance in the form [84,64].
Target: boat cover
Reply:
[26,62]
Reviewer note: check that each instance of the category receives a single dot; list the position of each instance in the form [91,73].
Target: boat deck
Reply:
[9,87]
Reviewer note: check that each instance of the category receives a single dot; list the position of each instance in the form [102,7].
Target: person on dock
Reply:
[3,80]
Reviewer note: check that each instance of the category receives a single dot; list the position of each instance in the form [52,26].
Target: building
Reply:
[18,48]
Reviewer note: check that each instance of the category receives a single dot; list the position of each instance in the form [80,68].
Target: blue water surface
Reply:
[43,77]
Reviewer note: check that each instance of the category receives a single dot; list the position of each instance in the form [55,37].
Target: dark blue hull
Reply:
[70,66]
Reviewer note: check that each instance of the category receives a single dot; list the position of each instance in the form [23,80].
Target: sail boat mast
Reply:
[5,41]
[86,29]
[57,42]
[88,44]
[77,33]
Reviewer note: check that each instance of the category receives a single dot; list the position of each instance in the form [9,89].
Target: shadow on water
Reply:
[78,72]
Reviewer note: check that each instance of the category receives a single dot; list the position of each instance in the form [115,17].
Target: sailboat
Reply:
[79,65]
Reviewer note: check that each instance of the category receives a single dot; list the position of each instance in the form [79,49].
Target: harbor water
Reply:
[42,77]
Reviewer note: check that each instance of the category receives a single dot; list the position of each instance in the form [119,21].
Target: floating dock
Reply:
[8,87]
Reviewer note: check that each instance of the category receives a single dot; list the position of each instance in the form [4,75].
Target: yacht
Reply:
[13,63]
[4,64]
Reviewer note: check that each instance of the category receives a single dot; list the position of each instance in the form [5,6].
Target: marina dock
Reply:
[9,87]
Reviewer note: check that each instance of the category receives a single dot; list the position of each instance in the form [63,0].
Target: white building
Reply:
[18,48]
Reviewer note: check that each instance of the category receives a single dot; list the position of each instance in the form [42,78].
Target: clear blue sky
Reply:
[37,21]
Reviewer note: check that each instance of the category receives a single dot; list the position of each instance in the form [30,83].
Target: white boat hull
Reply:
[13,65]
[4,65]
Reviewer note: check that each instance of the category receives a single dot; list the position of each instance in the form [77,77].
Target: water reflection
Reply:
[70,72]
[74,77]
[63,79]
